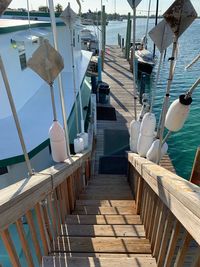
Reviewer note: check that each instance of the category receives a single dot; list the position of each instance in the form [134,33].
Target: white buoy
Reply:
[177,114]
[78,144]
[148,124]
[152,153]
[85,139]
[134,134]
[58,142]
[144,144]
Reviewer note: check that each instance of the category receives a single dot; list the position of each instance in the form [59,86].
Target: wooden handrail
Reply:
[181,197]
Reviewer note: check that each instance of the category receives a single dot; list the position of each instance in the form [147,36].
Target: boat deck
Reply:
[104,229]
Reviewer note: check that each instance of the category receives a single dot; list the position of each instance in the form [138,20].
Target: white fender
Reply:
[144,143]
[78,144]
[85,139]
[152,153]
[134,135]
[58,142]
[148,124]
[176,116]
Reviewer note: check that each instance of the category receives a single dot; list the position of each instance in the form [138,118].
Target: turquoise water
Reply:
[182,145]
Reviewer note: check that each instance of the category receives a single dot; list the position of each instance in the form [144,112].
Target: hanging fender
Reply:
[148,124]
[134,134]
[57,142]
[178,113]
[144,143]
[85,139]
[78,144]
[152,153]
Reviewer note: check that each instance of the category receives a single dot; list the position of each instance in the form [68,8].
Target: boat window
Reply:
[22,55]
[3,170]
[74,41]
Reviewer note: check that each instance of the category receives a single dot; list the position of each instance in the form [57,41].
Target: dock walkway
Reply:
[105,229]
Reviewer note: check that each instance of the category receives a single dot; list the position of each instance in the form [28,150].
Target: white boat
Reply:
[145,59]
[89,41]
[31,94]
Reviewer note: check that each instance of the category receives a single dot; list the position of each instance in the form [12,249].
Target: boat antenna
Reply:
[60,84]
[147,25]
[28,14]
[156,22]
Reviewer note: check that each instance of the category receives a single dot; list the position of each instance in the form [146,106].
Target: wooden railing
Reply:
[42,203]
[170,211]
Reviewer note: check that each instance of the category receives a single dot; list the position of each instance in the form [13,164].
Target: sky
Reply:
[122,6]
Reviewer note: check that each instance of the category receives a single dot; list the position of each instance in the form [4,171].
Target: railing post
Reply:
[139,194]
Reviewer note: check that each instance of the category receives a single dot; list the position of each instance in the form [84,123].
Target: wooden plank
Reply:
[30,221]
[103,230]
[106,203]
[179,195]
[102,255]
[102,244]
[180,258]
[165,239]
[103,219]
[42,229]
[172,244]
[51,207]
[92,210]
[70,192]
[94,262]
[106,195]
[24,243]
[5,235]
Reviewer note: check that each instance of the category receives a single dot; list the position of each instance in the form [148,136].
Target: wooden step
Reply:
[103,219]
[103,230]
[50,261]
[101,182]
[100,255]
[123,187]
[107,195]
[106,203]
[102,244]
[92,210]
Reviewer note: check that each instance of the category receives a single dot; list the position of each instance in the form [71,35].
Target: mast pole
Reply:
[14,112]
[134,78]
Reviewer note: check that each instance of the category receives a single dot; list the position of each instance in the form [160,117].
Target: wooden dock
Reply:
[117,74]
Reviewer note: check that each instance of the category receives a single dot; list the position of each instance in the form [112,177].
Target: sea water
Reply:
[183,144]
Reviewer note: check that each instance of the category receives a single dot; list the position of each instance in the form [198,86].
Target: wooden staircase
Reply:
[103,230]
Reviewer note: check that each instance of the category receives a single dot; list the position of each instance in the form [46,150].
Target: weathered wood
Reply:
[34,236]
[70,192]
[183,251]
[106,203]
[103,230]
[34,190]
[172,244]
[24,243]
[94,262]
[103,219]
[5,235]
[53,215]
[181,197]
[159,234]
[42,228]
[165,238]
[102,244]
[92,210]
[139,195]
